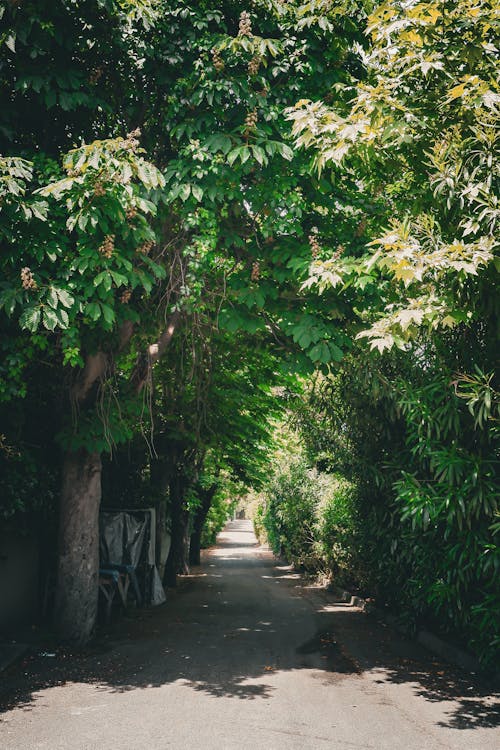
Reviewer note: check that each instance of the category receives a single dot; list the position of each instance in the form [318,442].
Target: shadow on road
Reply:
[235,624]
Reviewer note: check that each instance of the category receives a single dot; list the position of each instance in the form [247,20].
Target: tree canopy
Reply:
[212,217]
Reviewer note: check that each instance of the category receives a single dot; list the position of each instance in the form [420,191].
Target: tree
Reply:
[419,132]
[422,129]
[80,265]
[219,140]
[212,427]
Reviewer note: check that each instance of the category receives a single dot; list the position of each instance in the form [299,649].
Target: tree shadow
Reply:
[222,635]
[473,701]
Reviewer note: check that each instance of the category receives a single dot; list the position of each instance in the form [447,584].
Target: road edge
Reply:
[450,653]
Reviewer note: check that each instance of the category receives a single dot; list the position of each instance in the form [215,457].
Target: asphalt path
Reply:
[246,655]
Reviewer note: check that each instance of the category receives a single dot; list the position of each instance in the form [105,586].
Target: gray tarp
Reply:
[157,590]
[128,537]
[111,538]
[134,536]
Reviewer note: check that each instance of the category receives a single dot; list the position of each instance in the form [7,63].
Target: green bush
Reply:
[255,508]
[311,518]
[290,517]
[219,513]
[406,508]
[338,528]
[420,444]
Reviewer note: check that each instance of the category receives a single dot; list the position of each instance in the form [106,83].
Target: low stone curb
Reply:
[433,643]
[451,653]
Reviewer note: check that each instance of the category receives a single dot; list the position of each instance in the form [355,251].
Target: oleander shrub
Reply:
[338,529]
[311,519]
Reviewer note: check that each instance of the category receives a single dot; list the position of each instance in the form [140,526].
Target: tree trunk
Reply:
[78,565]
[177,561]
[206,497]
[195,546]
[160,471]
[183,563]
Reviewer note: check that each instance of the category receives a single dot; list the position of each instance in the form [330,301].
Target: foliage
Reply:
[308,177]
[427,485]
[337,530]
[418,431]
[422,128]
[71,273]
[310,518]
[220,511]
[289,518]
[224,214]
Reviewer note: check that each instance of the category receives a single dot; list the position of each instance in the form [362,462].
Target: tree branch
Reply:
[97,364]
[154,353]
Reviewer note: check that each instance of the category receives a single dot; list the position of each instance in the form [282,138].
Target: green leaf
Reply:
[197,191]
[40,210]
[50,320]
[230,320]
[336,353]
[213,191]
[233,155]
[8,301]
[83,220]
[30,318]
[144,280]
[108,312]
[65,298]
[320,352]
[241,152]
[62,317]
[303,339]
[259,155]
[52,299]
[285,151]
[219,142]
[245,154]
[103,278]
[93,310]
[118,278]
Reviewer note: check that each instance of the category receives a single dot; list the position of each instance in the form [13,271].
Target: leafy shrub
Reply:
[338,528]
[311,519]
[255,509]
[217,517]
[419,443]
[290,517]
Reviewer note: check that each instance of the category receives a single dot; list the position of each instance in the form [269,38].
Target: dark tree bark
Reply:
[77,584]
[206,496]
[78,564]
[177,561]
[154,353]
[183,565]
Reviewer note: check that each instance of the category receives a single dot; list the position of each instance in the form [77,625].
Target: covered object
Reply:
[127,541]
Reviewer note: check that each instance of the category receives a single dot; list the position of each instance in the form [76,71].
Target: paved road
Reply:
[246,656]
